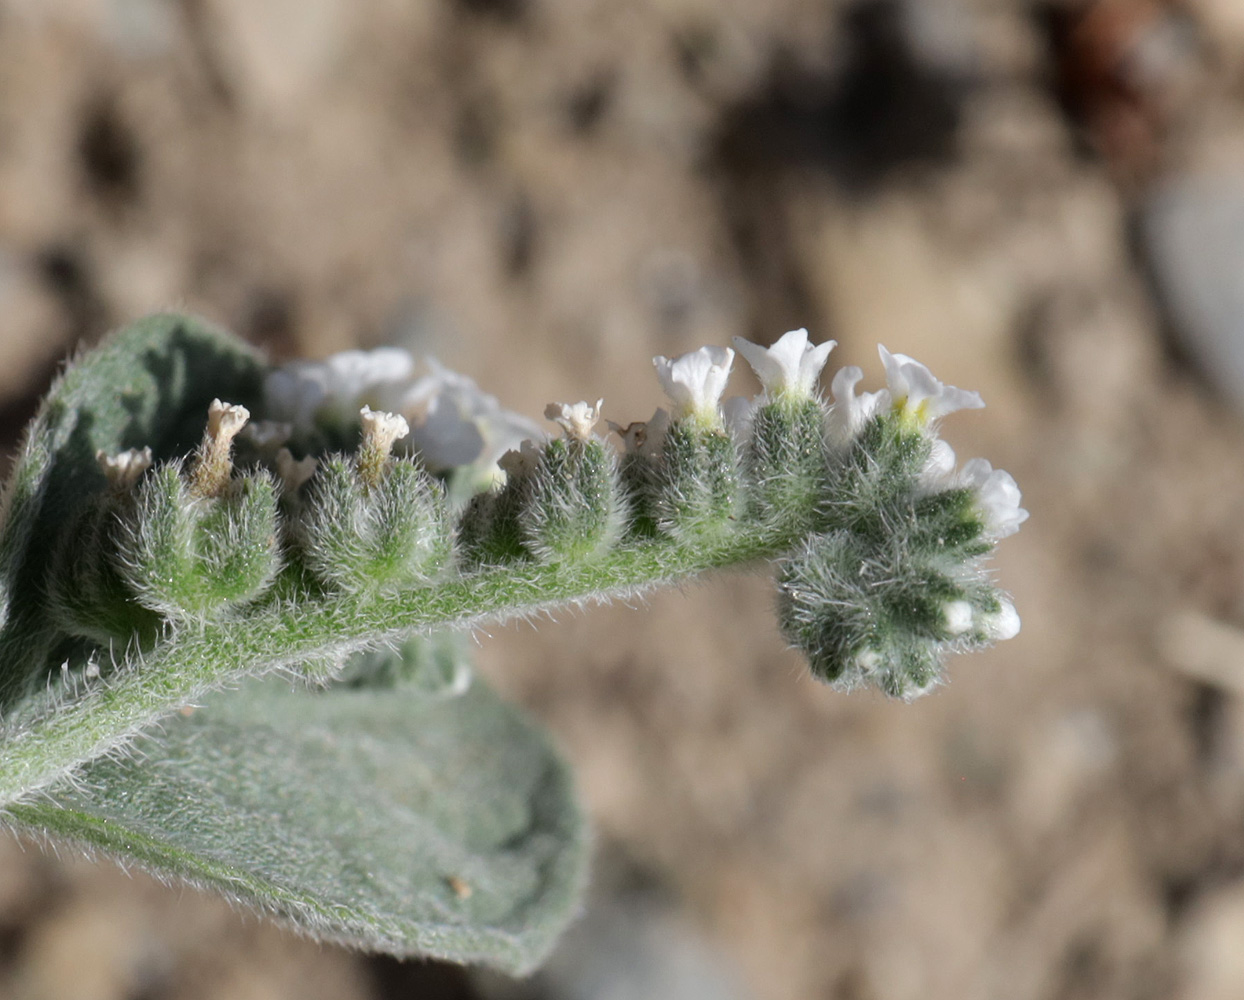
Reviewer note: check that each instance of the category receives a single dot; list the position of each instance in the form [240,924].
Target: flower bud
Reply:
[785,462]
[861,616]
[187,555]
[571,506]
[695,490]
[899,582]
[359,534]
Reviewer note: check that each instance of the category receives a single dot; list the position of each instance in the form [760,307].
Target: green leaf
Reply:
[378,818]
[149,384]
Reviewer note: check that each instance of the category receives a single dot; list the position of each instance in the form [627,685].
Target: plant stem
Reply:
[47,740]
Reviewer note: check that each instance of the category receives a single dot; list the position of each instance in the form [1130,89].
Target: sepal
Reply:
[785,460]
[881,616]
[695,483]
[571,505]
[357,535]
[187,556]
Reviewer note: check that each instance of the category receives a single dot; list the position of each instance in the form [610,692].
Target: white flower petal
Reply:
[654,433]
[939,468]
[124,469]
[382,429]
[910,694]
[958,615]
[695,381]
[1004,625]
[294,473]
[867,661]
[643,437]
[454,423]
[226,420]
[632,434]
[738,412]
[576,419]
[850,412]
[334,389]
[267,435]
[790,366]
[998,497]
[293,394]
[921,396]
[357,371]
[520,461]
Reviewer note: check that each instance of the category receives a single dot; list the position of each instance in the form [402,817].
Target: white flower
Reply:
[520,461]
[293,473]
[381,429]
[917,394]
[633,434]
[576,419]
[696,381]
[867,661]
[643,438]
[334,389]
[455,423]
[452,422]
[938,472]
[790,367]
[654,436]
[738,412]
[1004,625]
[958,616]
[910,694]
[267,436]
[849,412]
[225,421]
[126,468]
[997,496]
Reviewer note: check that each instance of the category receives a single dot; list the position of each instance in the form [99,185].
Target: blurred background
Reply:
[1041,201]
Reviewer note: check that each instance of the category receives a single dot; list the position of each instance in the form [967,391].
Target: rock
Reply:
[628,948]
[1193,232]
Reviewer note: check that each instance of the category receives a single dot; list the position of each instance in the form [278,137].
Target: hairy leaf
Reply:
[378,818]
[150,384]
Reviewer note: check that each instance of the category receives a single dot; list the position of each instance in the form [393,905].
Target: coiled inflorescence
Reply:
[880,541]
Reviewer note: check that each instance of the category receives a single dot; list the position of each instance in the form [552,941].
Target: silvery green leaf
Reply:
[149,384]
[374,817]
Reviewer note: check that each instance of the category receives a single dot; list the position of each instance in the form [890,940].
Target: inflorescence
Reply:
[362,479]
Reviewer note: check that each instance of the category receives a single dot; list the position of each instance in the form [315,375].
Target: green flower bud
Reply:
[361,534]
[186,555]
[570,505]
[785,462]
[695,488]
[863,616]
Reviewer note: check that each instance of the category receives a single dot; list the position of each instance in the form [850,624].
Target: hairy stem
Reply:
[63,731]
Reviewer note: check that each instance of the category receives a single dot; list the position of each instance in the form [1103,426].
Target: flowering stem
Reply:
[61,732]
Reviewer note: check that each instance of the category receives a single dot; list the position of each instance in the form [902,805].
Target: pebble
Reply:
[1193,234]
